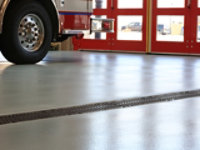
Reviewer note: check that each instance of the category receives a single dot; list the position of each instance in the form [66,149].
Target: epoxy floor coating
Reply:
[162,126]
[74,78]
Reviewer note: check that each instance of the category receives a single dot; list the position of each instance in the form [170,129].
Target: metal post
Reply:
[98,6]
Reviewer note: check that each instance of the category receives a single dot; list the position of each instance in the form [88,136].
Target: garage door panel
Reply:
[130,26]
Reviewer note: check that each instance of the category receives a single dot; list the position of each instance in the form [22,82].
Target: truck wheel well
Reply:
[49,6]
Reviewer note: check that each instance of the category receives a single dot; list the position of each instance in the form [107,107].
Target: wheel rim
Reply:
[31,32]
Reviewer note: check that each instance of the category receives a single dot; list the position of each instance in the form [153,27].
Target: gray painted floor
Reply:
[162,126]
[67,79]
[75,78]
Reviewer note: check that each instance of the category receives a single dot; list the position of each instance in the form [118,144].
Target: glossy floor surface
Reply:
[162,126]
[65,79]
[74,78]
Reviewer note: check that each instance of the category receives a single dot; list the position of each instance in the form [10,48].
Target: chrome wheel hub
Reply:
[31,32]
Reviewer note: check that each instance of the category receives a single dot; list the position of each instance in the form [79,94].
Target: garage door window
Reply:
[129,28]
[171,4]
[130,4]
[170,28]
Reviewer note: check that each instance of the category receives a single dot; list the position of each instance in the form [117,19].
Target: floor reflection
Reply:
[162,126]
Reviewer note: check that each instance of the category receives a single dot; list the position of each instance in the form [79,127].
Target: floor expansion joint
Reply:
[94,107]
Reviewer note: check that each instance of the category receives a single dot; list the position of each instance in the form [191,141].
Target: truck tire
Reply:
[27,32]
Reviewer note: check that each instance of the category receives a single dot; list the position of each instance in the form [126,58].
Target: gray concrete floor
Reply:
[74,78]
[163,126]
[66,79]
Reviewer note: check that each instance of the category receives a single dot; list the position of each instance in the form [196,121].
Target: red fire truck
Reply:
[27,27]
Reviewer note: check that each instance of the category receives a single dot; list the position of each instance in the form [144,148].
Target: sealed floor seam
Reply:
[50,113]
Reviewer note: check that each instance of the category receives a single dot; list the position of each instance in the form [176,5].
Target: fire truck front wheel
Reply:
[27,33]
